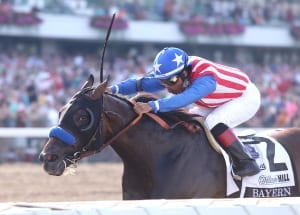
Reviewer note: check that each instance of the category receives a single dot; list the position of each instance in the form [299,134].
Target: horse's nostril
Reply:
[51,157]
[48,157]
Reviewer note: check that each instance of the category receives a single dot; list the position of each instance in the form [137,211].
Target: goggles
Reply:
[171,81]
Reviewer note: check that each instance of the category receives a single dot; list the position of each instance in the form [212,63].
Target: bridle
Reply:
[94,146]
[97,142]
[86,153]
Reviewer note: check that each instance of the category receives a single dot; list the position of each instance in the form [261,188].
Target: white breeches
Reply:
[234,112]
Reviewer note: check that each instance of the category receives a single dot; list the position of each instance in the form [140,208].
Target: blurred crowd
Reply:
[247,12]
[34,87]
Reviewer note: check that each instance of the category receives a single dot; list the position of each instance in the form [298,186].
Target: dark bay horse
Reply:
[158,163]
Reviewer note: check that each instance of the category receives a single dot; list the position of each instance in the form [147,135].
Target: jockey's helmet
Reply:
[169,62]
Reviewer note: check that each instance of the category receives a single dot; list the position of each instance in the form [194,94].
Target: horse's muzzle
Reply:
[52,164]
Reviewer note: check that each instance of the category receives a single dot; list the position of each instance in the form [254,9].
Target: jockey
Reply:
[223,95]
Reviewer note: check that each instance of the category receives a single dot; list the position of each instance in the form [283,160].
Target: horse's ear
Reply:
[89,82]
[99,90]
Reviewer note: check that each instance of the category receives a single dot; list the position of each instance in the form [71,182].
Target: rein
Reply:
[109,142]
[156,118]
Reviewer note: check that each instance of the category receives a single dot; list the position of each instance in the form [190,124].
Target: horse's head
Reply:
[78,128]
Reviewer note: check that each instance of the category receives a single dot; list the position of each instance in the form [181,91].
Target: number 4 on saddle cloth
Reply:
[276,176]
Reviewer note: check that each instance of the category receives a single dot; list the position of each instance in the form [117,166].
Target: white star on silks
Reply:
[156,67]
[178,59]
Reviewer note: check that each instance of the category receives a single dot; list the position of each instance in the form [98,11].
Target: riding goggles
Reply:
[171,81]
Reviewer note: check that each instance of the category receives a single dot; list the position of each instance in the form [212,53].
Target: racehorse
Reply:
[158,162]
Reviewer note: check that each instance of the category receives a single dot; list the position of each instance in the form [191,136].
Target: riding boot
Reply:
[243,164]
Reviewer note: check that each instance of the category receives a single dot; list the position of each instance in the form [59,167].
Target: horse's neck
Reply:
[145,141]
[119,113]
[118,104]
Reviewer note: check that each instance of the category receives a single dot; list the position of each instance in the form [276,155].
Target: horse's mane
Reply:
[120,97]
[172,116]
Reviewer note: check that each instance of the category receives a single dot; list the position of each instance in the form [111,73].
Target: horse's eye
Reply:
[82,118]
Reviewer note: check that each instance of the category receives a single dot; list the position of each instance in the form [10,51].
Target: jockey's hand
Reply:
[108,90]
[141,107]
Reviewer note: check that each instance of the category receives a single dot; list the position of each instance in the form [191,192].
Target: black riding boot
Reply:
[243,164]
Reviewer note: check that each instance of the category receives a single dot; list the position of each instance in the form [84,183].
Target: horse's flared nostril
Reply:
[51,157]
[48,157]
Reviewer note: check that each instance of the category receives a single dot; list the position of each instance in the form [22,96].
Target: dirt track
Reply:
[29,183]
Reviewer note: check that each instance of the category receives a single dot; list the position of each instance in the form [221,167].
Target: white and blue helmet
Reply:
[169,62]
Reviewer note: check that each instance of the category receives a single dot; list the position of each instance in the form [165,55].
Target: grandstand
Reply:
[48,48]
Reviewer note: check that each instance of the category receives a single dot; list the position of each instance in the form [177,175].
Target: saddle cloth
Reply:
[276,178]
